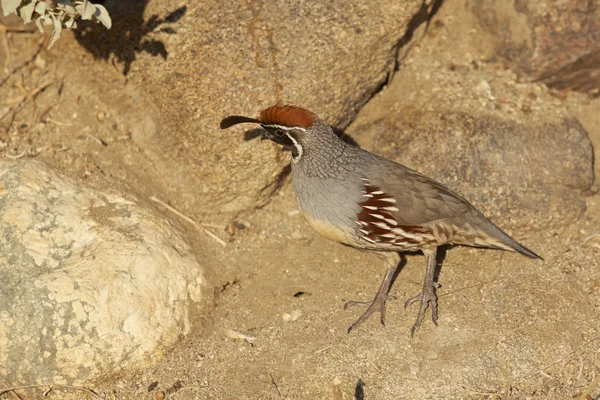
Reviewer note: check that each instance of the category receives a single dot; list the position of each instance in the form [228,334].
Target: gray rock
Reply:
[92,282]
[552,40]
[510,148]
[237,58]
[525,177]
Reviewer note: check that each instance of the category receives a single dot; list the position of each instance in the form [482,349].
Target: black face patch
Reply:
[282,137]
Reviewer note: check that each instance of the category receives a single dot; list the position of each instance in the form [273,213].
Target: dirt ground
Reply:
[509,327]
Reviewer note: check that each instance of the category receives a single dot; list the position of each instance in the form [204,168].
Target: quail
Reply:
[360,199]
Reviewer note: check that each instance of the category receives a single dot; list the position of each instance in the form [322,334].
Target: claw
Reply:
[377,304]
[427,296]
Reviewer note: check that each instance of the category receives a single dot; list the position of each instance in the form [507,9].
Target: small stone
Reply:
[483,86]
[298,236]
[159,395]
[293,316]
[39,62]
[100,116]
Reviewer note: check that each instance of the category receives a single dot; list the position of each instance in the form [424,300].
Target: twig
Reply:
[216,226]
[188,219]
[58,123]
[543,370]
[9,59]
[589,389]
[324,349]
[13,393]
[591,237]
[10,123]
[40,117]
[31,95]
[50,386]
[38,89]
[581,361]
[239,335]
[275,385]
[27,62]
[15,157]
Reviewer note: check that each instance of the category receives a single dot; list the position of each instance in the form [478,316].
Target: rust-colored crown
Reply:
[288,115]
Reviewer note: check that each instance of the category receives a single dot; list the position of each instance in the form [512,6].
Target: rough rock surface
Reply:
[552,40]
[510,148]
[240,57]
[91,282]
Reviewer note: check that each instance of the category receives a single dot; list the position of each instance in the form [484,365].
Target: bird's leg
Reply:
[427,295]
[378,303]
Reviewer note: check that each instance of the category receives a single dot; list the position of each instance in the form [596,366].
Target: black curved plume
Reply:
[236,119]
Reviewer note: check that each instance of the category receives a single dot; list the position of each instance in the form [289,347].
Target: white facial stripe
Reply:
[298,148]
[283,127]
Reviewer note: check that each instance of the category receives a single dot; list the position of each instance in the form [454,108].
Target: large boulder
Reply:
[555,41]
[509,147]
[239,57]
[92,282]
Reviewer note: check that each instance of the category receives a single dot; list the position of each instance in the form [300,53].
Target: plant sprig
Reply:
[61,14]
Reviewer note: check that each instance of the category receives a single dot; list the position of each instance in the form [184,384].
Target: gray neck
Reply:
[323,153]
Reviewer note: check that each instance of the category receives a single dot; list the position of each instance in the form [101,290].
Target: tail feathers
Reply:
[503,240]
[518,247]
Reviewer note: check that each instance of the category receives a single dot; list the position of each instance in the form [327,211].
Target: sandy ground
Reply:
[509,327]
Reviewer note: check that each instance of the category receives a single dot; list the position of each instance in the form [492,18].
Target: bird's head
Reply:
[288,125]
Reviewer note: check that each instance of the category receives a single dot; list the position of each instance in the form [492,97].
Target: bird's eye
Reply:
[279,132]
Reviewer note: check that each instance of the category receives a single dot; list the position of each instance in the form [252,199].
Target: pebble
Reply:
[293,316]
[297,236]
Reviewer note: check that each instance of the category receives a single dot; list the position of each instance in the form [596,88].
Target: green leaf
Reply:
[56,32]
[26,12]
[102,16]
[10,6]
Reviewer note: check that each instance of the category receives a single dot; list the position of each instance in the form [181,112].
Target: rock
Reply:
[496,163]
[92,283]
[293,316]
[237,59]
[552,40]
[510,148]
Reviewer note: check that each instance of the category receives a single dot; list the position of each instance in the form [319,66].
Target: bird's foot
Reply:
[377,304]
[427,296]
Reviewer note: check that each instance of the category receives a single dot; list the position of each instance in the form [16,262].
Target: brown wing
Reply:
[419,200]
[378,225]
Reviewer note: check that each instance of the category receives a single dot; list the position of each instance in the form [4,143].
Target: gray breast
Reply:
[330,204]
